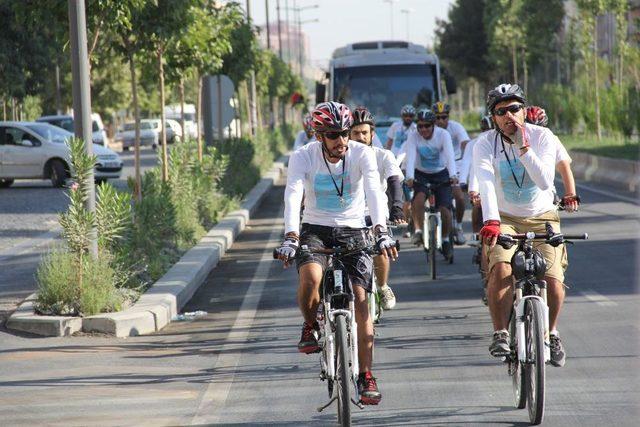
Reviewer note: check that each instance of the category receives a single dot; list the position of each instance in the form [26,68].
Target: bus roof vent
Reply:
[398,45]
[364,46]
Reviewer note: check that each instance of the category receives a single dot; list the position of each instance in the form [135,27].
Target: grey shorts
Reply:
[359,266]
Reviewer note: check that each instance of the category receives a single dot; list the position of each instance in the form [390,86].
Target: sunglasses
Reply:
[445,117]
[423,126]
[336,135]
[511,108]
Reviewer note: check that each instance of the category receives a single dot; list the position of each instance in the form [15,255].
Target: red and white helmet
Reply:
[331,116]
[537,116]
[307,123]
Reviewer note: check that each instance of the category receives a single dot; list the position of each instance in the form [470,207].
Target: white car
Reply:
[99,134]
[33,150]
[127,135]
[174,131]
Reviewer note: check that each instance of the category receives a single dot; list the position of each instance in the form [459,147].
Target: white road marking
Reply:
[216,393]
[598,298]
[607,193]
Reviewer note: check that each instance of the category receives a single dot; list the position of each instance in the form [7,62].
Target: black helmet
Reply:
[504,92]
[426,115]
[363,116]
[486,123]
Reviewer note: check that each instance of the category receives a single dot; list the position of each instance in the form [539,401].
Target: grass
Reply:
[610,146]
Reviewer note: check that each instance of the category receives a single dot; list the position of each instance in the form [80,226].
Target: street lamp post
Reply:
[391,2]
[406,13]
[82,99]
[297,11]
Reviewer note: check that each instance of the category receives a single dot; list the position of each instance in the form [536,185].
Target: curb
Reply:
[620,173]
[164,299]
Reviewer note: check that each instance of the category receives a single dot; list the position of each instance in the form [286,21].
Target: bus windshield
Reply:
[384,89]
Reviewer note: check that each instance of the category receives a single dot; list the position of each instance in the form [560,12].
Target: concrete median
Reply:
[618,173]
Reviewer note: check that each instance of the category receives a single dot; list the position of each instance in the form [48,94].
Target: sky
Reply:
[346,21]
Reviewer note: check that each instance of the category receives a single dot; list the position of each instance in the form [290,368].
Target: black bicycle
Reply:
[338,329]
[529,318]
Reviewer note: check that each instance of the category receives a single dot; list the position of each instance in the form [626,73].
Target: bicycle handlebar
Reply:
[341,251]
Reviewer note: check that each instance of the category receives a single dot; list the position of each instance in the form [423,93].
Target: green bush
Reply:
[69,285]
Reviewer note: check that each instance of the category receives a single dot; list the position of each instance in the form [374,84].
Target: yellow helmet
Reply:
[440,108]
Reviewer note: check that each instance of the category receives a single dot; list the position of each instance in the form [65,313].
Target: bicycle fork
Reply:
[425,236]
[519,307]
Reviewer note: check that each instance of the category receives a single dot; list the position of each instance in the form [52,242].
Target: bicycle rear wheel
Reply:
[433,243]
[535,372]
[343,372]
[516,368]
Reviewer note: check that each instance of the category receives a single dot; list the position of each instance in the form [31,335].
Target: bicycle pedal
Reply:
[358,404]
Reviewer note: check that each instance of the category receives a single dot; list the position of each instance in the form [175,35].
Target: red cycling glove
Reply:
[490,229]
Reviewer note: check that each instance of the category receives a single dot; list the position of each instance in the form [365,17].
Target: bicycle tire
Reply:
[535,372]
[516,368]
[433,243]
[343,376]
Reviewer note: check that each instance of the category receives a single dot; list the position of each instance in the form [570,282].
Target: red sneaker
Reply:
[309,340]
[368,389]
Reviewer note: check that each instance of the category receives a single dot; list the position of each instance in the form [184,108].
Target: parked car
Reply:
[127,135]
[174,131]
[32,150]
[174,112]
[99,134]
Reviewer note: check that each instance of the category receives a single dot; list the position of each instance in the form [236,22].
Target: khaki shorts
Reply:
[556,258]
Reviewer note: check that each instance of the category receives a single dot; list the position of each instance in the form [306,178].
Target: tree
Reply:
[461,41]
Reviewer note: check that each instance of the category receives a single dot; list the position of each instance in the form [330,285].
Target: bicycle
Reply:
[338,339]
[432,240]
[529,319]
[476,258]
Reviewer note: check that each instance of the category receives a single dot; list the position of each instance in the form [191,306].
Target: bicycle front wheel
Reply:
[343,372]
[535,372]
[433,245]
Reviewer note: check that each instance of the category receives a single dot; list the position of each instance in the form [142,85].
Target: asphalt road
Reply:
[238,365]
[29,226]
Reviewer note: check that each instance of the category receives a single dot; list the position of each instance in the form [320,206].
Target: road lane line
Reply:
[598,298]
[216,393]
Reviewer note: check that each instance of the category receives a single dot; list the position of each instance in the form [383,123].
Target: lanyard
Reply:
[513,174]
[340,191]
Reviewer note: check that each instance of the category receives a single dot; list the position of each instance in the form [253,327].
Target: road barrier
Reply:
[619,173]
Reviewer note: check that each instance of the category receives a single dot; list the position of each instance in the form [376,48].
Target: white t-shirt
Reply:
[387,167]
[430,156]
[308,174]
[465,171]
[520,186]
[375,141]
[399,133]
[302,139]
[458,136]
[561,152]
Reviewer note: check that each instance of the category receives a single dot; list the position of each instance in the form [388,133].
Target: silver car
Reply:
[34,150]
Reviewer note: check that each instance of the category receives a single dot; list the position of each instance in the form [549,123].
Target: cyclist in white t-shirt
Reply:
[430,160]
[397,136]
[339,179]
[515,168]
[391,179]
[459,138]
[306,135]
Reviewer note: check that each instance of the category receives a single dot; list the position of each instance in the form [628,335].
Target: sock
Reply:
[445,239]
[501,330]
[458,225]
[554,332]
[417,230]
[381,287]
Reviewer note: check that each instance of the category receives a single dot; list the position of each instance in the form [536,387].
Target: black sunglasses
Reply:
[425,126]
[444,117]
[511,108]
[336,135]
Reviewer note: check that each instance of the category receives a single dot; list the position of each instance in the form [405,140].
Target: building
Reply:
[295,44]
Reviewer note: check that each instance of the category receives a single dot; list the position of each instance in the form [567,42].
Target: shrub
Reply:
[75,286]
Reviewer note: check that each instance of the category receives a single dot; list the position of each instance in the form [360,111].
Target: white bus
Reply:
[383,76]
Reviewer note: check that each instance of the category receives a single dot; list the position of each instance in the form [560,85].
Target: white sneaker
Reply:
[387,298]
[459,238]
